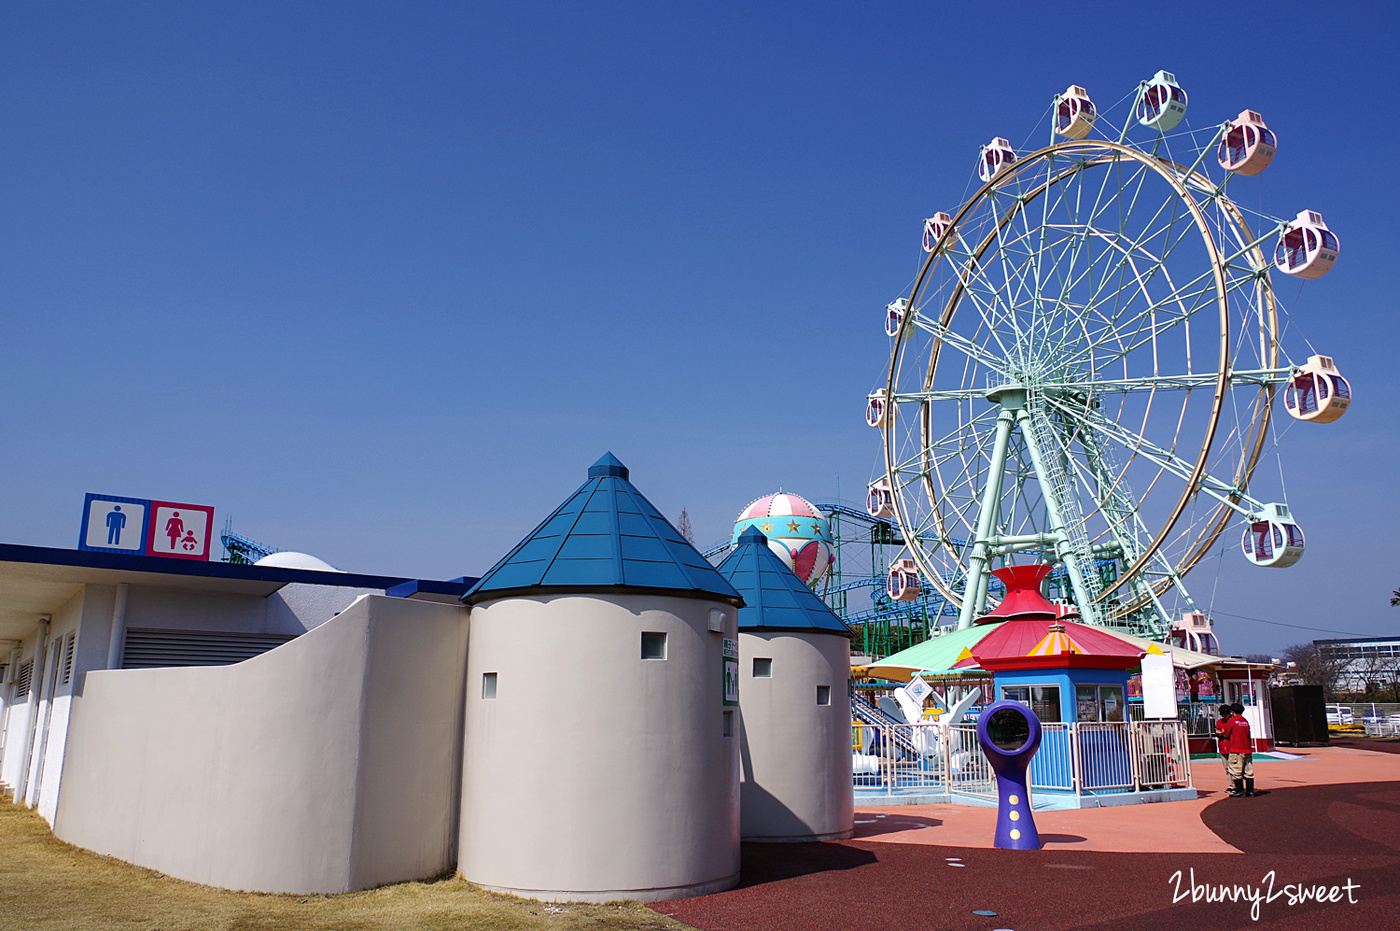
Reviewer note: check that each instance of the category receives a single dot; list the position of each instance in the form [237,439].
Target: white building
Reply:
[570,735]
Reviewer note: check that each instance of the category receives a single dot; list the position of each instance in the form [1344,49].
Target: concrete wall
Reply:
[795,754]
[595,774]
[328,764]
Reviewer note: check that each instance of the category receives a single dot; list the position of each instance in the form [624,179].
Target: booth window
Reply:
[488,685]
[1098,702]
[653,645]
[1044,700]
[823,694]
[762,668]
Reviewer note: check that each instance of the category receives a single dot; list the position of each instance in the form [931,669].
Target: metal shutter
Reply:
[147,648]
[68,645]
[26,673]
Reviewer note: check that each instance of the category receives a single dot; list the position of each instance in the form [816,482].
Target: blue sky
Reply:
[381,280]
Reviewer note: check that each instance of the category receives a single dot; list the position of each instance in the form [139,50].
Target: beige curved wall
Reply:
[795,754]
[595,774]
[327,764]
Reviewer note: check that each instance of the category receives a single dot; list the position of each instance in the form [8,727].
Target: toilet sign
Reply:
[141,527]
[731,672]
[114,525]
[179,530]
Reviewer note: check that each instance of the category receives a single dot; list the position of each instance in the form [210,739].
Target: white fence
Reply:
[903,759]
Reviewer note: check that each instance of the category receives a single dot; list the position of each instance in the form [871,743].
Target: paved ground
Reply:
[1329,820]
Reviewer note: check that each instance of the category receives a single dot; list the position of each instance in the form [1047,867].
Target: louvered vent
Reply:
[26,673]
[69,644]
[147,648]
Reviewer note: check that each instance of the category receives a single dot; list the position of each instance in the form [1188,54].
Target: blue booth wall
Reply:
[1103,753]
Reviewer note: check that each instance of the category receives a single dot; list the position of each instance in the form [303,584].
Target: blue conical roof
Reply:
[774,597]
[606,537]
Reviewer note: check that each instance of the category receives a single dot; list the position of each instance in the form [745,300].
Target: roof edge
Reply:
[758,628]
[495,594]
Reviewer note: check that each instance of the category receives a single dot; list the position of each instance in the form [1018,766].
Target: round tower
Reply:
[795,705]
[601,742]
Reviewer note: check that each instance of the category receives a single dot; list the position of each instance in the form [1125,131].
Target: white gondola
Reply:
[934,228]
[1162,102]
[1272,539]
[1317,393]
[1074,113]
[879,500]
[995,156]
[903,582]
[877,409]
[1307,248]
[896,316]
[1248,145]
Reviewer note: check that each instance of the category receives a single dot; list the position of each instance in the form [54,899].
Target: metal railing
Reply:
[1080,758]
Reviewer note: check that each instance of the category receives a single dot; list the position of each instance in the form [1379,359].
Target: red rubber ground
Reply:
[1315,835]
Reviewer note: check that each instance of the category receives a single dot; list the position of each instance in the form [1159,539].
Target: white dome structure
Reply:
[294,560]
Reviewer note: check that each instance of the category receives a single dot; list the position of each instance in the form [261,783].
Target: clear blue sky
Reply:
[381,280]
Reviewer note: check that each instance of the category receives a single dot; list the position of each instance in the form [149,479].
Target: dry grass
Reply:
[47,885]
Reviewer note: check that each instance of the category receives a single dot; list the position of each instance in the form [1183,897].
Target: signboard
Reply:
[114,525]
[179,530]
[139,526]
[731,672]
[1158,684]
[918,690]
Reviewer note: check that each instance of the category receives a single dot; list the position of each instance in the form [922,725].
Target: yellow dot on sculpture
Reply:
[1015,816]
[1014,800]
[1015,834]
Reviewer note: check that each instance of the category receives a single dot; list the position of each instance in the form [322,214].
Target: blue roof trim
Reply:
[774,597]
[94,559]
[605,537]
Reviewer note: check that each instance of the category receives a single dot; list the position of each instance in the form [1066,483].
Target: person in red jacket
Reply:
[1237,742]
[1225,712]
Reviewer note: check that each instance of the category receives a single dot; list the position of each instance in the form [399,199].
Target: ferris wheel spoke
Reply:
[967,347]
[1232,496]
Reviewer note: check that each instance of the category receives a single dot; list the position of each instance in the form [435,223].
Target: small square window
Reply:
[653,645]
[488,685]
[729,724]
[762,668]
[823,694]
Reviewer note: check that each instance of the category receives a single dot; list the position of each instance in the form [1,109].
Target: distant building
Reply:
[1367,659]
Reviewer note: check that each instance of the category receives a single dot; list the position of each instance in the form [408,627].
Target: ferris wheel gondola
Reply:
[1161,102]
[1248,145]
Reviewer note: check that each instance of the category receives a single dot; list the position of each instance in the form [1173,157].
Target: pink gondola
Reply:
[1162,103]
[1317,393]
[1272,539]
[879,501]
[903,581]
[1248,145]
[877,409]
[1307,248]
[995,156]
[1074,113]
[934,228]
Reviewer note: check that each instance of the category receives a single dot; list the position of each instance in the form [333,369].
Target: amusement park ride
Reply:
[1085,369]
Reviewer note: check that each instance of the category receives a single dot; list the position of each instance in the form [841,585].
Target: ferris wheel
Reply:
[1086,365]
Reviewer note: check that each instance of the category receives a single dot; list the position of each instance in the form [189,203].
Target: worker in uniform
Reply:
[1237,742]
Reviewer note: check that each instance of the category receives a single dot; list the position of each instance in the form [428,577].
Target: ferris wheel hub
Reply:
[1011,395]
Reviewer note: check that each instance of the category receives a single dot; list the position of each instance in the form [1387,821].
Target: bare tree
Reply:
[684,528]
[1316,667]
